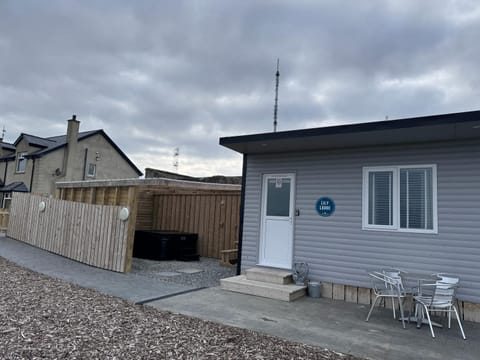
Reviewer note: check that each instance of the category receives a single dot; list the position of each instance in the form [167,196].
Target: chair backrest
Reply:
[395,275]
[444,294]
[445,289]
[448,279]
[381,281]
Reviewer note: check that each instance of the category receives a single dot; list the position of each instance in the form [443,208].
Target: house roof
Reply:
[16,186]
[54,142]
[454,126]
[7,158]
[49,144]
[34,141]
[8,146]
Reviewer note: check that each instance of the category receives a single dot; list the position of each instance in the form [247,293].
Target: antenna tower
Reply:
[176,155]
[3,133]
[275,108]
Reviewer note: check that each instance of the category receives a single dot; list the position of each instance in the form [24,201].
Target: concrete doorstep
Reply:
[241,284]
[266,282]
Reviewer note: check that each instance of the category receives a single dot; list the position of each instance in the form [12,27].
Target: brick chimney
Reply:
[71,148]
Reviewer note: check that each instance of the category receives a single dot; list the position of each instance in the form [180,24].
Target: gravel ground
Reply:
[45,318]
[206,272]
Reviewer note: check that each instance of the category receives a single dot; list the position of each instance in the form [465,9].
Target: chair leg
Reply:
[393,307]
[419,314]
[371,308]
[459,322]
[410,303]
[450,317]
[429,322]
[401,311]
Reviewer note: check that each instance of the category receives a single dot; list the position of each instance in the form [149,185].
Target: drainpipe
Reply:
[85,163]
[242,206]
[31,178]
[5,173]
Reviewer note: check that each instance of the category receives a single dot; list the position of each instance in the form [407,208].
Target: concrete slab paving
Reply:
[335,325]
[190,271]
[169,273]
[126,286]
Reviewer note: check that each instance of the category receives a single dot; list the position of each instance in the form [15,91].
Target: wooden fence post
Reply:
[132,204]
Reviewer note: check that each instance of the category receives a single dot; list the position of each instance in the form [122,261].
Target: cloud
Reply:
[160,75]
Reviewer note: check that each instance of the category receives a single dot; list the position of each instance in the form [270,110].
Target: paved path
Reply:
[335,325]
[126,286]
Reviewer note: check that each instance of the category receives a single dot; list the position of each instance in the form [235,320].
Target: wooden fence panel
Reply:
[210,210]
[213,216]
[92,234]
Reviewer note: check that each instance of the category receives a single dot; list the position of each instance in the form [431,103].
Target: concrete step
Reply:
[269,275]
[241,284]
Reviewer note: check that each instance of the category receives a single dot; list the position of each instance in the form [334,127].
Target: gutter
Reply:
[242,206]
[33,172]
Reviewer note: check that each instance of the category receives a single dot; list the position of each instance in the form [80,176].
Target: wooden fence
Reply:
[212,215]
[211,210]
[4,215]
[92,234]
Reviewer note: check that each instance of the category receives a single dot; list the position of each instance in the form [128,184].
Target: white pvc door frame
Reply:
[276,232]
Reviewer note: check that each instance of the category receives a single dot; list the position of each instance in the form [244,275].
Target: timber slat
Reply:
[80,231]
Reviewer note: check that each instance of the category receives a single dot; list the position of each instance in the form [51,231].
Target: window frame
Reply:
[396,199]
[21,156]
[6,197]
[92,175]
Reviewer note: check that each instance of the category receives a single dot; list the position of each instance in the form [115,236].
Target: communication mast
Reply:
[275,108]
[176,155]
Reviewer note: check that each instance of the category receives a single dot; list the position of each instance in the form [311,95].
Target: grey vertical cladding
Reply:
[338,250]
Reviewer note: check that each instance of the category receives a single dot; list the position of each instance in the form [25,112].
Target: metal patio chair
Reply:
[450,279]
[387,283]
[439,297]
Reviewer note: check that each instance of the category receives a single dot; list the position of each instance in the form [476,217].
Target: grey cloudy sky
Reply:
[157,75]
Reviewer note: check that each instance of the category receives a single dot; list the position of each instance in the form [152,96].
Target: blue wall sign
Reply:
[325,206]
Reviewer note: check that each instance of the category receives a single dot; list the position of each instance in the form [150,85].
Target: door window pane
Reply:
[278,197]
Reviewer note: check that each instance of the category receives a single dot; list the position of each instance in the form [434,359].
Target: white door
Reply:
[276,239]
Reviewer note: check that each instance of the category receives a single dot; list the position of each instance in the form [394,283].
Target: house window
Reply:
[21,162]
[7,199]
[92,170]
[400,198]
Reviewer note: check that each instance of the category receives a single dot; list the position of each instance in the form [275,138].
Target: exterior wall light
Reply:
[124,214]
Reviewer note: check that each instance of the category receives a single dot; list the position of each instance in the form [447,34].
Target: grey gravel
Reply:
[46,318]
[206,272]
